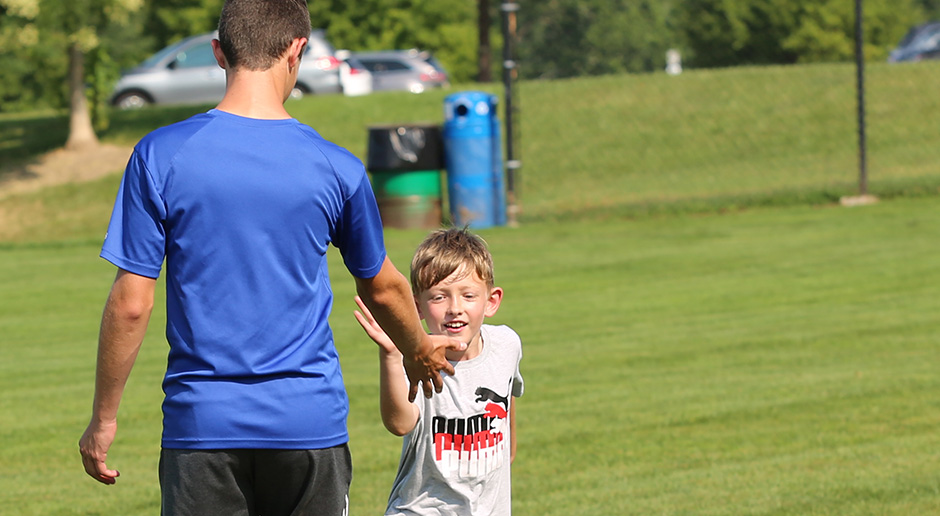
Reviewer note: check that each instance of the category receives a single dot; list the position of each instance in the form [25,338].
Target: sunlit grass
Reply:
[778,361]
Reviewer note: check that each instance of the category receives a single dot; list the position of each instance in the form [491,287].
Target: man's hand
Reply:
[426,366]
[94,446]
[394,313]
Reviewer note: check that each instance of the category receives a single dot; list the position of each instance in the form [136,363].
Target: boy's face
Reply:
[457,306]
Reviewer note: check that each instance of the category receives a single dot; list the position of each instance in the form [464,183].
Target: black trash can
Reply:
[405,162]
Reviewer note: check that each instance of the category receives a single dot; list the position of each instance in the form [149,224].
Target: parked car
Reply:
[186,72]
[409,70]
[921,42]
[354,78]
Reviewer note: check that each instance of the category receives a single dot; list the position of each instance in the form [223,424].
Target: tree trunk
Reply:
[81,132]
[484,52]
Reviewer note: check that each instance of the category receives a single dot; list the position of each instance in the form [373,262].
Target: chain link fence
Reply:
[686,139]
[718,139]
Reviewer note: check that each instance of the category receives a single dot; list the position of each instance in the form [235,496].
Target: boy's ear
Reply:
[492,304]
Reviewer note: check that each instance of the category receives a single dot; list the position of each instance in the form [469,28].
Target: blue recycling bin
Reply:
[473,158]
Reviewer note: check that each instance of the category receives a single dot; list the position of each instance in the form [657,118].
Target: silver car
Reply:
[187,73]
[408,70]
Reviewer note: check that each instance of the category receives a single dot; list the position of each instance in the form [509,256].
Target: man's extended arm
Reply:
[123,324]
[388,296]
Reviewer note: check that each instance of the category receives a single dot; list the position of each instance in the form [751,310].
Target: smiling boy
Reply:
[457,446]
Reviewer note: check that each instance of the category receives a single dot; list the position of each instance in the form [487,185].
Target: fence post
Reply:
[509,74]
[860,86]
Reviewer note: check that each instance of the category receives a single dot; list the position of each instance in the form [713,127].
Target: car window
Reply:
[383,65]
[196,56]
[924,36]
[156,58]
[431,60]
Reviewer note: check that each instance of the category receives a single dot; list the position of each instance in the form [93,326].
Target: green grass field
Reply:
[767,361]
[778,361]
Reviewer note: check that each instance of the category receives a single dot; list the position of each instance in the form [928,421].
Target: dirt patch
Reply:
[63,166]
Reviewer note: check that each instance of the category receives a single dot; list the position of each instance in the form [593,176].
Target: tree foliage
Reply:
[445,27]
[742,32]
[556,38]
[565,38]
[168,21]
[35,38]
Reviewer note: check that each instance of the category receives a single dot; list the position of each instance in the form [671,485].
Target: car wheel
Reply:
[132,100]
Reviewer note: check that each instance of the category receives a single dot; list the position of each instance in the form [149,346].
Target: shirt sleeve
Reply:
[136,238]
[518,384]
[359,234]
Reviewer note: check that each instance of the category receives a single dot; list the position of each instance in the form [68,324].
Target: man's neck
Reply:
[254,94]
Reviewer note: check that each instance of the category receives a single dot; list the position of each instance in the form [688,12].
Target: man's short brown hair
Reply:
[445,251]
[254,34]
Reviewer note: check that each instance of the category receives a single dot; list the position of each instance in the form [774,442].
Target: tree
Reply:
[567,38]
[445,27]
[826,29]
[58,35]
[484,50]
[168,21]
[82,22]
[741,32]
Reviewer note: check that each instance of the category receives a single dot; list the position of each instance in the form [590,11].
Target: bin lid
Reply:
[469,107]
[404,147]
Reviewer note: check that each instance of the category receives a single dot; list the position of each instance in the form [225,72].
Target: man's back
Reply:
[245,209]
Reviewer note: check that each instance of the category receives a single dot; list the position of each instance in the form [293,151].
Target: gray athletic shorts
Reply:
[255,482]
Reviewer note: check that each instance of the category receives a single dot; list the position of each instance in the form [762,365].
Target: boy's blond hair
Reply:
[445,251]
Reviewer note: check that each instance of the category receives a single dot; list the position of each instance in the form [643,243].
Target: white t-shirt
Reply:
[456,460]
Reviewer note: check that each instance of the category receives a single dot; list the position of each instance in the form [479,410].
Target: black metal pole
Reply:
[509,71]
[860,86]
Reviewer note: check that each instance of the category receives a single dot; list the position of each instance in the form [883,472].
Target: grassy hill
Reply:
[628,145]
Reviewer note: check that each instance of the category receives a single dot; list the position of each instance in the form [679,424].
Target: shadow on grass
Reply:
[23,139]
[928,186]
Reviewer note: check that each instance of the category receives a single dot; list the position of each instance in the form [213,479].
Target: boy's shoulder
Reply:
[501,335]
[499,329]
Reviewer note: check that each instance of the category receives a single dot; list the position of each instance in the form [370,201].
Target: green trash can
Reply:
[405,163]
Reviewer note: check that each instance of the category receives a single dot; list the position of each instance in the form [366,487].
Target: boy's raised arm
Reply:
[398,414]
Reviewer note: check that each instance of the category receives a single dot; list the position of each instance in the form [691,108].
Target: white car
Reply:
[353,76]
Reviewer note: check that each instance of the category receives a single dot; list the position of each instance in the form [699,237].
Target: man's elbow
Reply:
[137,310]
[132,310]
[131,297]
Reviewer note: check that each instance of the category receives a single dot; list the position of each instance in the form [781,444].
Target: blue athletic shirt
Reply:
[243,211]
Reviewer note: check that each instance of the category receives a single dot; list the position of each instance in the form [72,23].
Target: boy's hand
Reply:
[372,328]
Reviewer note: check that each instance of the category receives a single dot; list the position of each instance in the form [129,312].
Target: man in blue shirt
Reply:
[241,203]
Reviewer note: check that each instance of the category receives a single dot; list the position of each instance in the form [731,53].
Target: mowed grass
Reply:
[772,361]
[767,362]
